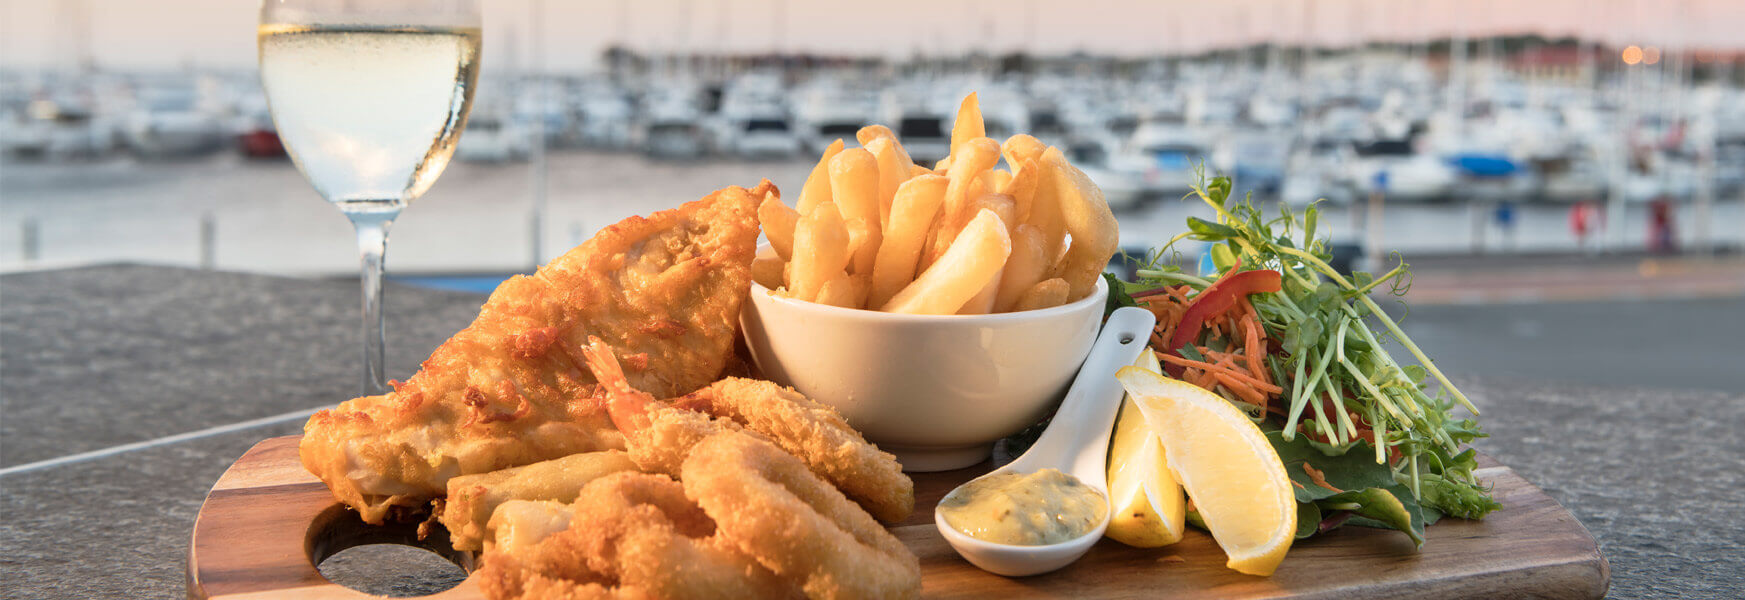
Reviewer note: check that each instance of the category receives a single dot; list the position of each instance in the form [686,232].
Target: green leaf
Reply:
[1328,297]
[1455,498]
[1390,508]
[1301,337]
[1354,470]
[1222,257]
[1361,279]
[1118,295]
[1210,232]
[1308,519]
[1191,353]
[1415,373]
[1219,190]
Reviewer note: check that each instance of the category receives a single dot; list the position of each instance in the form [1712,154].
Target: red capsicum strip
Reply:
[1215,299]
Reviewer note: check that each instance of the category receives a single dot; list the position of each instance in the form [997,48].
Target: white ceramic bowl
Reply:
[935,390]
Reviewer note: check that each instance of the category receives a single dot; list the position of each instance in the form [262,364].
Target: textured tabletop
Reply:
[95,358]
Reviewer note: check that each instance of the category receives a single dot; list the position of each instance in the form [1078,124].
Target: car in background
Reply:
[258,137]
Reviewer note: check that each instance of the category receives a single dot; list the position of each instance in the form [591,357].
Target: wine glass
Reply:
[369,98]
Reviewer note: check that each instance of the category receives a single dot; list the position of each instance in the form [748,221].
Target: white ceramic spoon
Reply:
[1076,442]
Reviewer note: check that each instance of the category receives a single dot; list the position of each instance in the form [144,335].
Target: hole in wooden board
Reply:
[392,570]
[384,560]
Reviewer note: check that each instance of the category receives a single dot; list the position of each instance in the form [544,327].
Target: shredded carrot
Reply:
[1259,385]
[1320,480]
[1241,388]
[1255,349]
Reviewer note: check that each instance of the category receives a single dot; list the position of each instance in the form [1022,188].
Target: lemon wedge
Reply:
[1223,461]
[1147,506]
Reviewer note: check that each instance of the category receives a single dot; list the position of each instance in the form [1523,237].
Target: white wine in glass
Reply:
[369,99]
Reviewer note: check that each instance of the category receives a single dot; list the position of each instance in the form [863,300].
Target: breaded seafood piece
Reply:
[661,434]
[817,434]
[771,506]
[664,293]
[631,535]
[466,511]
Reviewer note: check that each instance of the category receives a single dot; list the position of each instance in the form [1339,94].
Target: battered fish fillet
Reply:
[512,388]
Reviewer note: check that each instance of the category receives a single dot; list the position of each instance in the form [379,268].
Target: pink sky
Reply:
[220,33]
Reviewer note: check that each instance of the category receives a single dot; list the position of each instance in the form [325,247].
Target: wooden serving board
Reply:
[267,517]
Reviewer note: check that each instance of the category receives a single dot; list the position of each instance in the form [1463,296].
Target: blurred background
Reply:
[1561,173]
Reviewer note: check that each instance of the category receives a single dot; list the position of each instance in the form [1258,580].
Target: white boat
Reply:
[671,124]
[169,121]
[1122,191]
[1162,157]
[825,111]
[766,136]
[1399,172]
[495,138]
[606,121]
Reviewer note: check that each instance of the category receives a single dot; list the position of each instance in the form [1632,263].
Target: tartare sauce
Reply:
[1024,509]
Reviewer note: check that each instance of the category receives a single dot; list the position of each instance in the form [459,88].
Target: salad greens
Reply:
[1383,440]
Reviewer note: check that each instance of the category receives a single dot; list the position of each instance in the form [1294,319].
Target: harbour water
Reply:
[263,216]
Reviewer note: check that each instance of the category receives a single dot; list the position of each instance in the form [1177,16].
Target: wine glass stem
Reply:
[372,244]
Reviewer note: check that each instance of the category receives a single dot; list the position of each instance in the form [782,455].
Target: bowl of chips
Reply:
[939,309]
[937,391]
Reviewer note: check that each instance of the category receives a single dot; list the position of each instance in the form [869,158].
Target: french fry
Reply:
[817,188]
[995,180]
[864,239]
[917,203]
[844,290]
[976,156]
[1020,148]
[983,301]
[872,229]
[778,225]
[894,169]
[1001,204]
[872,132]
[820,251]
[854,186]
[769,271]
[1045,213]
[1045,294]
[968,125]
[1086,216]
[1022,188]
[1024,269]
[973,260]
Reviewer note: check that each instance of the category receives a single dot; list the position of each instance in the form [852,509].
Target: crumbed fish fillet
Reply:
[512,388]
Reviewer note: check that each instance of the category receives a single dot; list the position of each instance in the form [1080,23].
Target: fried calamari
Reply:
[631,535]
[665,432]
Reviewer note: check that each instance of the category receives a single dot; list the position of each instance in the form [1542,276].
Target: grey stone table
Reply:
[98,358]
